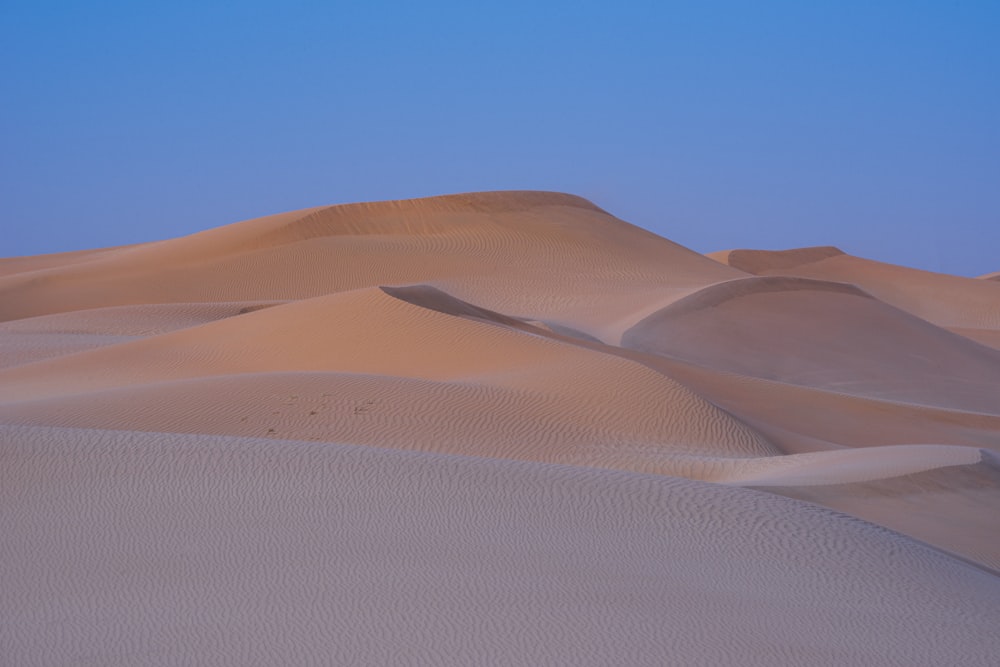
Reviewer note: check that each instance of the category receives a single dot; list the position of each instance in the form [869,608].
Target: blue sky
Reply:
[874,126]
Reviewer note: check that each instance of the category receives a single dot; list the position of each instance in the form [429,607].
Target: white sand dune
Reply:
[328,437]
[168,549]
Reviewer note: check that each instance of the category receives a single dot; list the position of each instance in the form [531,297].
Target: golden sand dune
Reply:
[492,248]
[203,438]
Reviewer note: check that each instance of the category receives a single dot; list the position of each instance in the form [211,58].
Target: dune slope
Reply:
[949,301]
[168,549]
[824,335]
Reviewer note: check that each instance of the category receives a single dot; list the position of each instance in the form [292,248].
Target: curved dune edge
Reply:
[987,337]
[790,407]
[801,419]
[35,339]
[32,263]
[460,419]
[237,548]
[851,465]
[823,335]
[759,261]
[486,419]
[945,300]
[948,507]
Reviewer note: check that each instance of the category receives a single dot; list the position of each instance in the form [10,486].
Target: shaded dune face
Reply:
[947,301]
[333,409]
[825,335]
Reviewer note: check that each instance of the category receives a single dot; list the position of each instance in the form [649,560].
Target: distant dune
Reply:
[494,428]
[966,305]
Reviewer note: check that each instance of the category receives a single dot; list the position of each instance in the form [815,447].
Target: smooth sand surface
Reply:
[493,428]
[952,302]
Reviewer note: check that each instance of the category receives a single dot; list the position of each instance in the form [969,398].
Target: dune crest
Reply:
[763,261]
[494,428]
[947,301]
[825,335]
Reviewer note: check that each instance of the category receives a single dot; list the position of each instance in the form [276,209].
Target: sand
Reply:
[961,304]
[493,428]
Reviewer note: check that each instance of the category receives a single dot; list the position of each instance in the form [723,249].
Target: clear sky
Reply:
[872,125]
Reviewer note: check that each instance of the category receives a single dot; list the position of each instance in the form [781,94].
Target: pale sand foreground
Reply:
[197,440]
[130,548]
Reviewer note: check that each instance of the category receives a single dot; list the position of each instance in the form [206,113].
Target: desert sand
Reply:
[497,428]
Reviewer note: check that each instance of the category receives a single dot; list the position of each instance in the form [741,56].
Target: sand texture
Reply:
[493,429]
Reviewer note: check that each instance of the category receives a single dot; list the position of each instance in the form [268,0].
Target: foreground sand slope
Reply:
[127,548]
[948,505]
[198,440]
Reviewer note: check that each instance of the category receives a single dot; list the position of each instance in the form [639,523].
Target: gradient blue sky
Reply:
[874,125]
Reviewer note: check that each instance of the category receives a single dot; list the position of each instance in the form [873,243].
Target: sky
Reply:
[870,125]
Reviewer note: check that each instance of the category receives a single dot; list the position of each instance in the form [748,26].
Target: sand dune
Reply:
[213,550]
[947,506]
[824,335]
[30,264]
[493,249]
[38,338]
[369,342]
[960,304]
[494,428]
[803,419]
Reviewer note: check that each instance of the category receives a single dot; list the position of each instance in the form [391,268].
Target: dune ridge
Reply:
[494,428]
[945,300]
